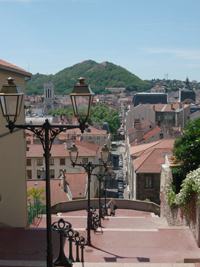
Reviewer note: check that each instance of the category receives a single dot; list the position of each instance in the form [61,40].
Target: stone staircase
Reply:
[129,239]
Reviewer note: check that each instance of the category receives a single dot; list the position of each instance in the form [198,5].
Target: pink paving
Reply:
[129,237]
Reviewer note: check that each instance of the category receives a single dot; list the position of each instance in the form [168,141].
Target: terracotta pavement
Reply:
[129,237]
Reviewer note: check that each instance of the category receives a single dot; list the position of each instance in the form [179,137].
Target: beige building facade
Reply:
[13,193]
[60,161]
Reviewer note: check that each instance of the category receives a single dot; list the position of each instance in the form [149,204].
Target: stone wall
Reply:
[73,205]
[179,217]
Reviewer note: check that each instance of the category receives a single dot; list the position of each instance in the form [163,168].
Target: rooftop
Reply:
[8,66]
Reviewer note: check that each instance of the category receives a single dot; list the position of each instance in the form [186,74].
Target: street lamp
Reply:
[100,176]
[110,178]
[89,167]
[11,101]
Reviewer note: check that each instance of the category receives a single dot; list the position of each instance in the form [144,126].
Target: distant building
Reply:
[144,164]
[48,95]
[49,98]
[150,98]
[116,89]
[187,95]
[158,89]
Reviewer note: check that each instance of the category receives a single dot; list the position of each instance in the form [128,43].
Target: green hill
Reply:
[99,76]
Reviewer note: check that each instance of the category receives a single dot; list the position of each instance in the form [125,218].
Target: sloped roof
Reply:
[149,98]
[77,184]
[151,160]
[171,107]
[10,67]
[86,149]
[152,132]
[57,193]
[140,149]
[146,136]
[146,126]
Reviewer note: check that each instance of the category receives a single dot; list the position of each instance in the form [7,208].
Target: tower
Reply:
[48,96]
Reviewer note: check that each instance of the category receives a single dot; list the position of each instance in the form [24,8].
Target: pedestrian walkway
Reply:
[131,238]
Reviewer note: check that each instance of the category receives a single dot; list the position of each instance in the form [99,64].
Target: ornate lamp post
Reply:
[89,167]
[11,101]
[111,177]
[100,177]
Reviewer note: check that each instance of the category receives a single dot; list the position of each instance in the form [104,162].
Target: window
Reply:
[84,160]
[52,175]
[29,174]
[90,138]
[98,138]
[39,162]
[148,182]
[161,135]
[51,162]
[38,174]
[62,161]
[28,162]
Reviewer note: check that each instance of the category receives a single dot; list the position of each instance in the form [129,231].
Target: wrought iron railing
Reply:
[35,209]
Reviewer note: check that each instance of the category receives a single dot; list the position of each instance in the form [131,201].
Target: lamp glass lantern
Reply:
[81,99]
[11,98]
[105,152]
[73,153]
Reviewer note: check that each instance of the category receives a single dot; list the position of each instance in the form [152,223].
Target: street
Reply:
[118,188]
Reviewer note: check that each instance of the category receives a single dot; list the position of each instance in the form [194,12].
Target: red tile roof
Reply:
[151,161]
[140,149]
[59,150]
[152,132]
[166,107]
[151,156]
[77,184]
[57,193]
[9,66]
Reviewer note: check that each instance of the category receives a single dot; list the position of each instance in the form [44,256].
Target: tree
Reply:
[187,149]
[35,193]
[101,113]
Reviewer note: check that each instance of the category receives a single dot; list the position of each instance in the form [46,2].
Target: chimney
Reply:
[139,131]
[154,108]
[64,183]
[68,144]
[171,105]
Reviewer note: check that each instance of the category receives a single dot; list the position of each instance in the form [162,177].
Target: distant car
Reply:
[120,184]
[120,178]
[121,189]
[120,195]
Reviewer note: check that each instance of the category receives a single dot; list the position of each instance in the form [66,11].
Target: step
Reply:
[96,264]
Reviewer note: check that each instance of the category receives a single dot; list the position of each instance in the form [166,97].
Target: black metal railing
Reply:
[102,210]
[94,219]
[65,229]
[35,210]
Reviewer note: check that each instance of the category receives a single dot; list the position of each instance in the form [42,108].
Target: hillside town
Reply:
[136,173]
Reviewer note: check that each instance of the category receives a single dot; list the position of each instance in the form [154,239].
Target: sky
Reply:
[150,38]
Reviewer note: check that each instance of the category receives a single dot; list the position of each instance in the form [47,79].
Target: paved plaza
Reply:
[129,237]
